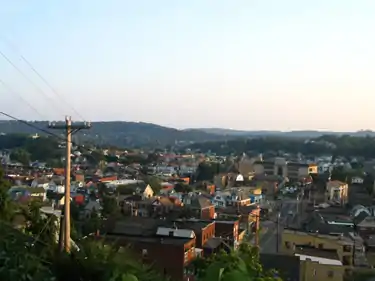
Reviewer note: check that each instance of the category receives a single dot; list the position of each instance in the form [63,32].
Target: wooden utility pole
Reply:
[69,130]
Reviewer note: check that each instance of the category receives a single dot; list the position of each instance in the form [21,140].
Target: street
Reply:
[268,236]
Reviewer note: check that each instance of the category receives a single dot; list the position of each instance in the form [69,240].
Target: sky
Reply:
[240,64]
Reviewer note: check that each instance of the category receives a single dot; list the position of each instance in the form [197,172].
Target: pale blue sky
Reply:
[244,64]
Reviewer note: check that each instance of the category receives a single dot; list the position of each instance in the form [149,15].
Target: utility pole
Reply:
[277,232]
[70,129]
[257,231]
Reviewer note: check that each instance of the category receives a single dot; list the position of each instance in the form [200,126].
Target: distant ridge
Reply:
[139,134]
[299,134]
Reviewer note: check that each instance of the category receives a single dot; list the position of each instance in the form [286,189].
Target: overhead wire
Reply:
[43,130]
[41,77]
[31,125]
[40,90]
[8,88]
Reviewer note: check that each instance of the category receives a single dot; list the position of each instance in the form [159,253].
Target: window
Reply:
[144,253]
[347,249]
[330,274]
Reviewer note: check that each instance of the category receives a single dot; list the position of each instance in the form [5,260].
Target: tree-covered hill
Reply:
[330,144]
[122,134]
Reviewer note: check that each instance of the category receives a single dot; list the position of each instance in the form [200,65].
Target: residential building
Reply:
[281,167]
[248,216]
[206,242]
[228,230]
[292,240]
[200,206]
[57,185]
[319,264]
[136,205]
[366,227]
[148,239]
[40,182]
[357,180]
[234,197]
[337,192]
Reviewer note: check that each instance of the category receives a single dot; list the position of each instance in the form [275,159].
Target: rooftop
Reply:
[152,239]
[340,239]
[306,250]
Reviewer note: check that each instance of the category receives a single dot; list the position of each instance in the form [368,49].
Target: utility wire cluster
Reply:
[56,105]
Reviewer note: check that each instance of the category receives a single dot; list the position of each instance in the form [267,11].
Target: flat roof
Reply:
[151,239]
[319,253]
[340,239]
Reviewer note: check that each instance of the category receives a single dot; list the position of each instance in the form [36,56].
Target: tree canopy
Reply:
[26,149]
[344,145]
[241,265]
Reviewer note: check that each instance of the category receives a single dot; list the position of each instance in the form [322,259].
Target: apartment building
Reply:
[281,167]
[342,245]
[319,264]
[148,238]
[337,192]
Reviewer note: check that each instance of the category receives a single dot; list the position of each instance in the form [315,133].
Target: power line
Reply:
[31,125]
[41,77]
[7,87]
[44,131]
[29,80]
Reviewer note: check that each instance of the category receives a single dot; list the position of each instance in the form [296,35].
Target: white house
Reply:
[357,180]
[40,182]
[56,187]
[222,199]
[146,192]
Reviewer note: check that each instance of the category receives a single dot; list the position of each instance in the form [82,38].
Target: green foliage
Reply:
[91,224]
[126,189]
[154,182]
[20,155]
[95,157]
[26,148]
[7,208]
[206,171]
[18,260]
[242,265]
[184,188]
[329,144]
[109,206]
[43,227]
[98,262]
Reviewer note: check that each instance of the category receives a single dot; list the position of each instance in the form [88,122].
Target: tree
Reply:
[95,157]
[20,155]
[42,226]
[91,224]
[109,206]
[242,265]
[206,171]
[7,206]
[98,262]
[184,188]
[18,259]
[154,182]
